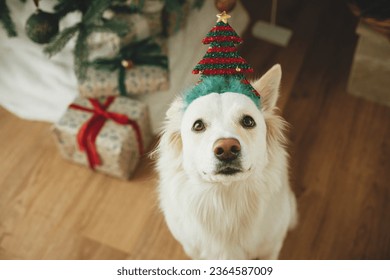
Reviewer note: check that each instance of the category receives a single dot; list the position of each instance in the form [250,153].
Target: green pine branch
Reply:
[124,8]
[81,55]
[173,5]
[67,6]
[60,41]
[92,21]
[116,26]
[95,11]
[197,4]
[5,19]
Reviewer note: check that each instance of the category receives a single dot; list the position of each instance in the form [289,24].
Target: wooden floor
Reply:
[340,150]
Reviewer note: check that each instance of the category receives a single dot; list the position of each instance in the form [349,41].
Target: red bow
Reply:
[87,134]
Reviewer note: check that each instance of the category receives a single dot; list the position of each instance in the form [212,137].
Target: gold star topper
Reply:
[223,17]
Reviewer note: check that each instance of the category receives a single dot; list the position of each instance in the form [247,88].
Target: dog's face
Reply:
[223,137]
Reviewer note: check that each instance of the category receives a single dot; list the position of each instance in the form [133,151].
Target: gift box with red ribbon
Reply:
[107,134]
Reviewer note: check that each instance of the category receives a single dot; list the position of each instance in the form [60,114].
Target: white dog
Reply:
[224,187]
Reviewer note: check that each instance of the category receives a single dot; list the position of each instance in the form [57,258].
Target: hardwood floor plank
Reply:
[263,55]
[333,154]
[36,237]
[156,242]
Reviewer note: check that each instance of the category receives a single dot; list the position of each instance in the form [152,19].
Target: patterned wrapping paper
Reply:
[139,79]
[141,25]
[103,44]
[116,144]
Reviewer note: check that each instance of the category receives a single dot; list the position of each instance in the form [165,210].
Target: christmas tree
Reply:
[98,16]
[222,68]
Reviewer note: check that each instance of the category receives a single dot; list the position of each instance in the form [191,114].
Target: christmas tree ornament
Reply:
[127,63]
[41,26]
[222,68]
[225,5]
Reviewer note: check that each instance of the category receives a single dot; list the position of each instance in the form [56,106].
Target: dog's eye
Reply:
[248,122]
[198,126]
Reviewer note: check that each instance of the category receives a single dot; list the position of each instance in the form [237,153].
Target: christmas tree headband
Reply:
[222,68]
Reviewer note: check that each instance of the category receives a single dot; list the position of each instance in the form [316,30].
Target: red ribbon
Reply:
[86,137]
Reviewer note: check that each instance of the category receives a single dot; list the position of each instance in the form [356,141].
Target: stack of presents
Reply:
[106,127]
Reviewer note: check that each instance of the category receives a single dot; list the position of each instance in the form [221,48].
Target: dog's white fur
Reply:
[241,216]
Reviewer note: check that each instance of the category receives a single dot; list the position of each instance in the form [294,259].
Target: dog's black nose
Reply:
[227,149]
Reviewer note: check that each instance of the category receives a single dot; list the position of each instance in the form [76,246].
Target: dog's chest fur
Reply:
[227,211]
[217,221]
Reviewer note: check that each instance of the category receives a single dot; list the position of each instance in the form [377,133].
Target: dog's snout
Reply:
[227,149]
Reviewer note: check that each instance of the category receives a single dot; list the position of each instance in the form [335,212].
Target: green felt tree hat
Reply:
[222,68]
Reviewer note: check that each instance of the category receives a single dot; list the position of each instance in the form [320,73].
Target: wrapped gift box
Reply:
[113,78]
[106,134]
[103,44]
[143,24]
[138,80]
[370,71]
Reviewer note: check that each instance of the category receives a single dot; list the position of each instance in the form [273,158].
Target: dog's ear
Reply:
[170,138]
[268,87]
